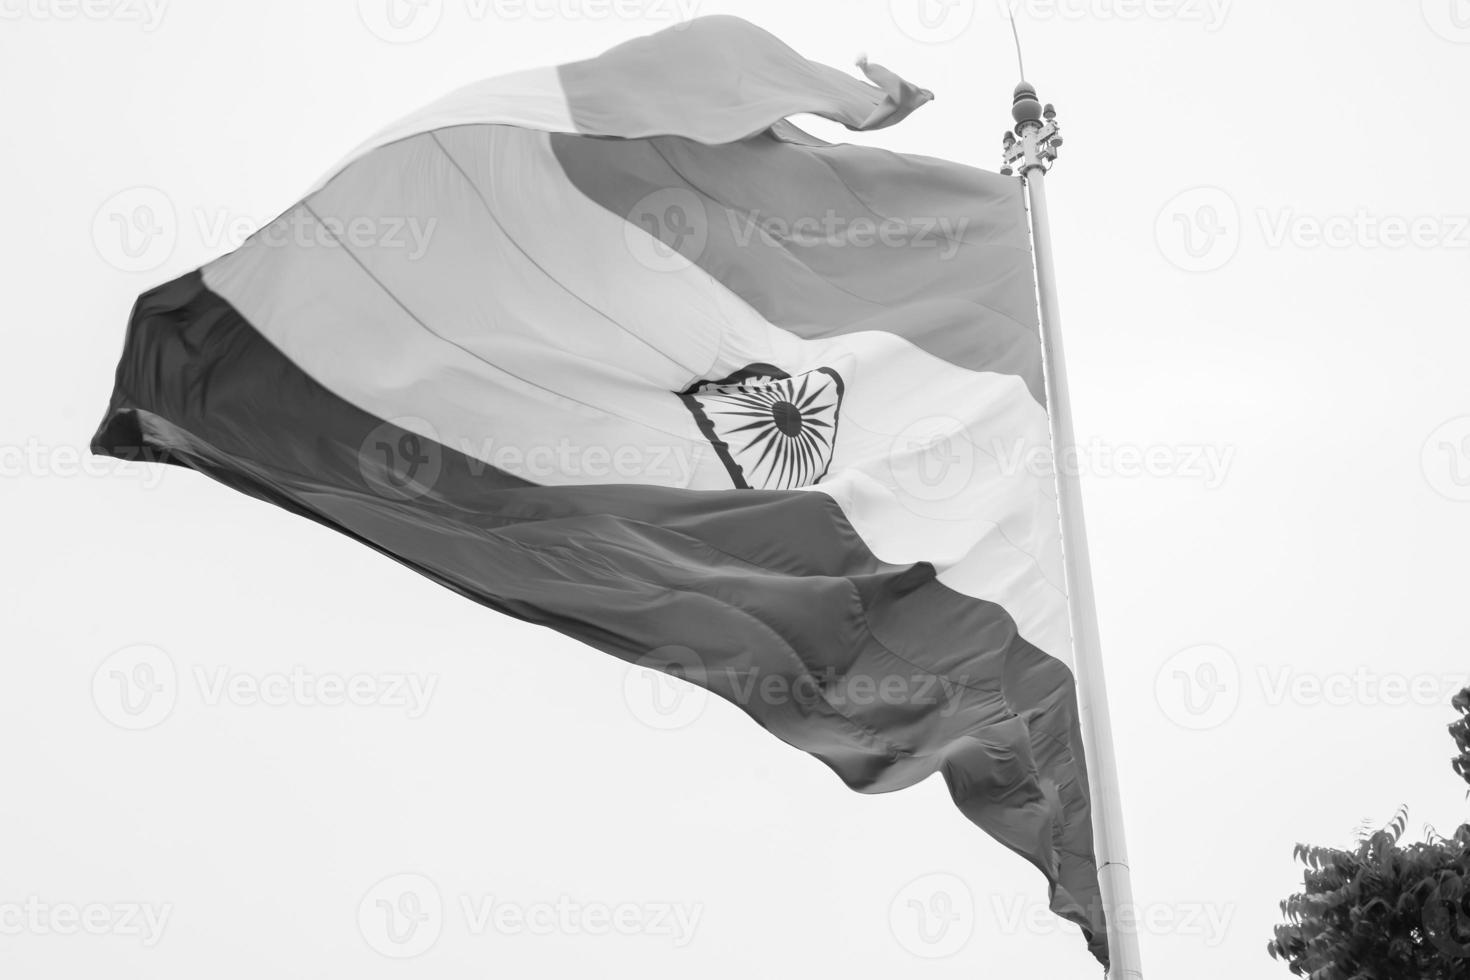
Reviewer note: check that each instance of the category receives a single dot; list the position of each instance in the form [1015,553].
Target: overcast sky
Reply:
[1263,239]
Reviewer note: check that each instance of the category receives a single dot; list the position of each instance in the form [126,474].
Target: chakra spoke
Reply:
[771,445]
[768,434]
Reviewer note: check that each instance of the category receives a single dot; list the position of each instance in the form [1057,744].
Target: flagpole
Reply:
[1031,149]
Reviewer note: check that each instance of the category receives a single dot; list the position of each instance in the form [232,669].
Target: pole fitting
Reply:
[1034,143]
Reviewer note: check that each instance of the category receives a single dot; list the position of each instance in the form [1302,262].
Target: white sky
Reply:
[1326,555]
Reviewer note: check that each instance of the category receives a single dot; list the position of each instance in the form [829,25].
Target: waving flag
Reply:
[616,348]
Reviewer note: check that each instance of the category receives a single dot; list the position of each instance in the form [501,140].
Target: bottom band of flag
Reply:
[730,589]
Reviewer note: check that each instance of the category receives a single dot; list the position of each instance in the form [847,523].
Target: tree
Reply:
[1382,911]
[1460,732]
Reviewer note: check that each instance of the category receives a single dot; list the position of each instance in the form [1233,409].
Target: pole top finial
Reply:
[1025,106]
[1033,145]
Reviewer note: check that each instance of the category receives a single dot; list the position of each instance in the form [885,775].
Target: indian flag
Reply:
[616,348]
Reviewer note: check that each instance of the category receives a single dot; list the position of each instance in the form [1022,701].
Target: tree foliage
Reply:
[1382,910]
[1460,732]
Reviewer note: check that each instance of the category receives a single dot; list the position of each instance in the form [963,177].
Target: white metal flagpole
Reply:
[1030,150]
